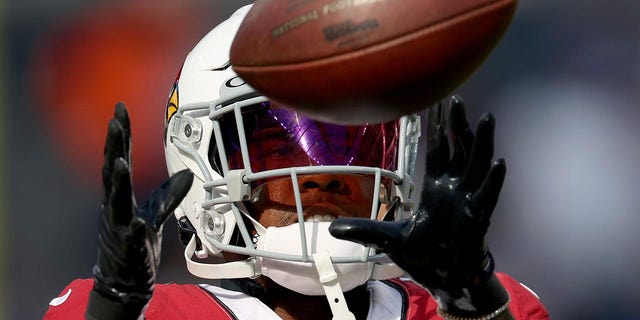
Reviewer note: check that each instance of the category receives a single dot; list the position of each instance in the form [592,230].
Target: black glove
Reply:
[443,246]
[129,236]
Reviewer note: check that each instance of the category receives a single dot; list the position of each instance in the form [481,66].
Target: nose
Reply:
[322,182]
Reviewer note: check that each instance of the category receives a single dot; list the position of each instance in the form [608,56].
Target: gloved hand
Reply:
[129,235]
[443,246]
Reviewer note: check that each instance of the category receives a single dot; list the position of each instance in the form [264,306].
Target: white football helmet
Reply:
[236,142]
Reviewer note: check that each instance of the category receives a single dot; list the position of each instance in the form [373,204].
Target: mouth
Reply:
[319,218]
[324,213]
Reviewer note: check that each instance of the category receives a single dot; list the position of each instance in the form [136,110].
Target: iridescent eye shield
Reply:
[280,138]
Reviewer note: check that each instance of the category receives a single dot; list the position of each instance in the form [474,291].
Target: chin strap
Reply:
[229,270]
[329,279]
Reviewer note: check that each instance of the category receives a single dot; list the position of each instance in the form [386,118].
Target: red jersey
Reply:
[391,299]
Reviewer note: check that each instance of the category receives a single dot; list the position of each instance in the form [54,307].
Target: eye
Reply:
[281,149]
[277,152]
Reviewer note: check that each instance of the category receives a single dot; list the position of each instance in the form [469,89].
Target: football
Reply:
[365,61]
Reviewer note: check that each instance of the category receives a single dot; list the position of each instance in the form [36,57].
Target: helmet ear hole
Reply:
[236,238]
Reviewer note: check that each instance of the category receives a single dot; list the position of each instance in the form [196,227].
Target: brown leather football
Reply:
[358,61]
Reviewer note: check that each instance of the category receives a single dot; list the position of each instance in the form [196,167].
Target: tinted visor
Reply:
[280,138]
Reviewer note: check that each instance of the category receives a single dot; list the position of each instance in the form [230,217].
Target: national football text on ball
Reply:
[329,8]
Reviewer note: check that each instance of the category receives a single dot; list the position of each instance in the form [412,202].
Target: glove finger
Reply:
[136,234]
[484,200]
[481,154]
[134,244]
[122,116]
[382,235]
[461,136]
[437,143]
[113,149]
[121,199]
[164,200]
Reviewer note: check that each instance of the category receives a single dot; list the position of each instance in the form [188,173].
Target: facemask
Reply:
[302,277]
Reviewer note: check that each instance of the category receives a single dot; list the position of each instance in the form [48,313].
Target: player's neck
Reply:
[290,305]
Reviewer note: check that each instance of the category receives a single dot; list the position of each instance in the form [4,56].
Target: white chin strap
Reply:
[283,243]
[228,270]
[332,290]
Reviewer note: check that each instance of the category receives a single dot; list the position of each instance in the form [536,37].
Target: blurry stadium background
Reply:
[563,85]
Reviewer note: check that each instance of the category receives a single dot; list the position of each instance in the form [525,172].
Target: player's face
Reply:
[278,139]
[324,197]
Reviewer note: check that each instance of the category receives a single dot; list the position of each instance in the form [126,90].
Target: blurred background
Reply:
[563,85]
